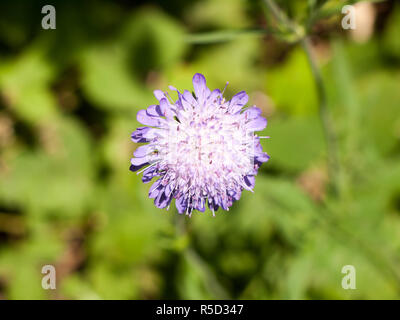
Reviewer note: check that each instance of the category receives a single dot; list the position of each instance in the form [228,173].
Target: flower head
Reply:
[201,147]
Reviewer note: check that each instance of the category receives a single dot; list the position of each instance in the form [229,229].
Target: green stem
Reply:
[284,20]
[329,134]
[378,258]
[210,280]
[330,137]
[278,13]
[224,36]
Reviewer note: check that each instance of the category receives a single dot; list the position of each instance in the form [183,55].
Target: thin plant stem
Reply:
[284,20]
[330,137]
[329,134]
[378,259]
[224,36]
[210,280]
[278,13]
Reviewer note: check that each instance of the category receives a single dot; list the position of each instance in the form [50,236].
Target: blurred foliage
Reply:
[68,99]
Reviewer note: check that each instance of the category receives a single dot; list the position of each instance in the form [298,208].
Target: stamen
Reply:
[153,164]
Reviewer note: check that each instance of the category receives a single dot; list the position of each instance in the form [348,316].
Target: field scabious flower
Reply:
[201,147]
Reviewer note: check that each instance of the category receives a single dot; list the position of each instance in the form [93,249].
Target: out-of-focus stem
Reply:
[278,13]
[224,36]
[330,138]
[211,281]
[329,133]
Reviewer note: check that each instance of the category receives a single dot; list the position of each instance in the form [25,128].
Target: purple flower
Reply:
[201,147]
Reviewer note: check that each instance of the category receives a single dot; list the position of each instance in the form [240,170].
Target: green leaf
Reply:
[219,14]
[123,64]
[382,114]
[295,143]
[64,174]
[25,84]
[291,86]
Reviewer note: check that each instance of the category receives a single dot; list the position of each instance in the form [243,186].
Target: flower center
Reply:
[207,149]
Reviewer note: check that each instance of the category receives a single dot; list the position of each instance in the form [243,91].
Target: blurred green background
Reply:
[68,103]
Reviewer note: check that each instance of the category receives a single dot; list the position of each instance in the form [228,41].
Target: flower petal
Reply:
[144,118]
[181,205]
[257,124]
[214,96]
[188,100]
[137,163]
[252,113]
[155,189]
[141,151]
[238,101]
[149,174]
[262,157]
[138,135]
[250,181]
[159,94]
[165,109]
[200,87]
